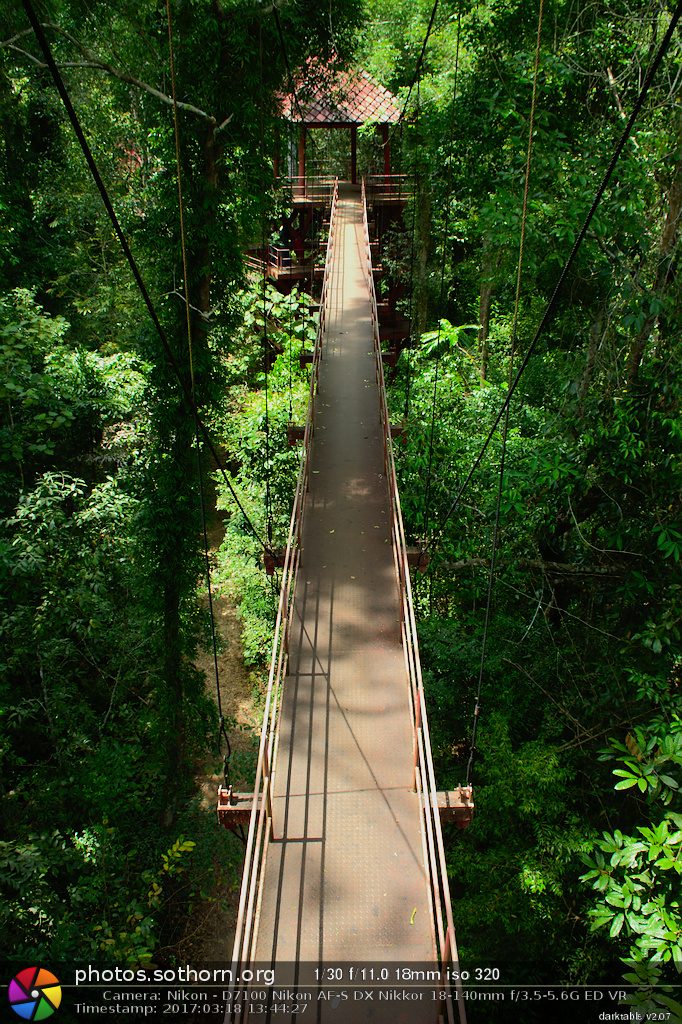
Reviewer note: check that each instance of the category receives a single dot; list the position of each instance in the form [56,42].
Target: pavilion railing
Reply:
[254,262]
[424,775]
[261,825]
[278,258]
[282,261]
[311,188]
[387,188]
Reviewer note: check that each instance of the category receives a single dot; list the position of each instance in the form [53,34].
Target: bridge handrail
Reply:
[261,820]
[424,775]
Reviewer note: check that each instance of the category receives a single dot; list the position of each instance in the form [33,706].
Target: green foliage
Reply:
[511,872]
[636,875]
[56,401]
[446,337]
[83,893]
[254,431]
[646,753]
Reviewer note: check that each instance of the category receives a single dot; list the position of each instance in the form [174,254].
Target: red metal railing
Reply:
[424,775]
[254,261]
[386,188]
[261,828]
[317,188]
[281,261]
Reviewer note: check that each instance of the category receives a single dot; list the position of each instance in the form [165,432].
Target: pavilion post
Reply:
[301,159]
[354,154]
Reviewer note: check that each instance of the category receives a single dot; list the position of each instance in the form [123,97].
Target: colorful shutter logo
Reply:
[34,993]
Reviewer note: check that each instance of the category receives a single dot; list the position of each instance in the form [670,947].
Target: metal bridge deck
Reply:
[344,878]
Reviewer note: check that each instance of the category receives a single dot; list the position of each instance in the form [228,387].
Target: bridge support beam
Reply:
[234,809]
[273,560]
[295,433]
[417,557]
[456,806]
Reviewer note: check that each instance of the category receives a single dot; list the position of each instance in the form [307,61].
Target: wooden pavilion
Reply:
[342,100]
[347,100]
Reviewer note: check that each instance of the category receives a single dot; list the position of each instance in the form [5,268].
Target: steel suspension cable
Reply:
[291,345]
[266,370]
[553,302]
[222,731]
[416,79]
[139,281]
[505,426]
[273,581]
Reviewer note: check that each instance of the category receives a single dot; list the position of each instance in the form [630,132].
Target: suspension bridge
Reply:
[344,855]
[345,864]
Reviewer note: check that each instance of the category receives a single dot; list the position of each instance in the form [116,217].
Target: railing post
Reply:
[267,778]
[417,727]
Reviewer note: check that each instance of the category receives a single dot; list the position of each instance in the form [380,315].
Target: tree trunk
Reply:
[539,564]
[484,329]
[172,666]
[422,255]
[488,267]
[204,255]
[179,550]
[665,270]
[595,335]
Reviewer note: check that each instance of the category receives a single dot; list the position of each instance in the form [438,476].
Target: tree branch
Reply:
[552,568]
[124,77]
[41,64]
[199,312]
[94,62]
[612,86]
[19,35]
[564,711]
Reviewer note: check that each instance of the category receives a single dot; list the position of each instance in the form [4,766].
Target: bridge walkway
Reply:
[344,877]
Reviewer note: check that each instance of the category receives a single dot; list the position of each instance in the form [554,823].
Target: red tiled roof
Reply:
[352,97]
